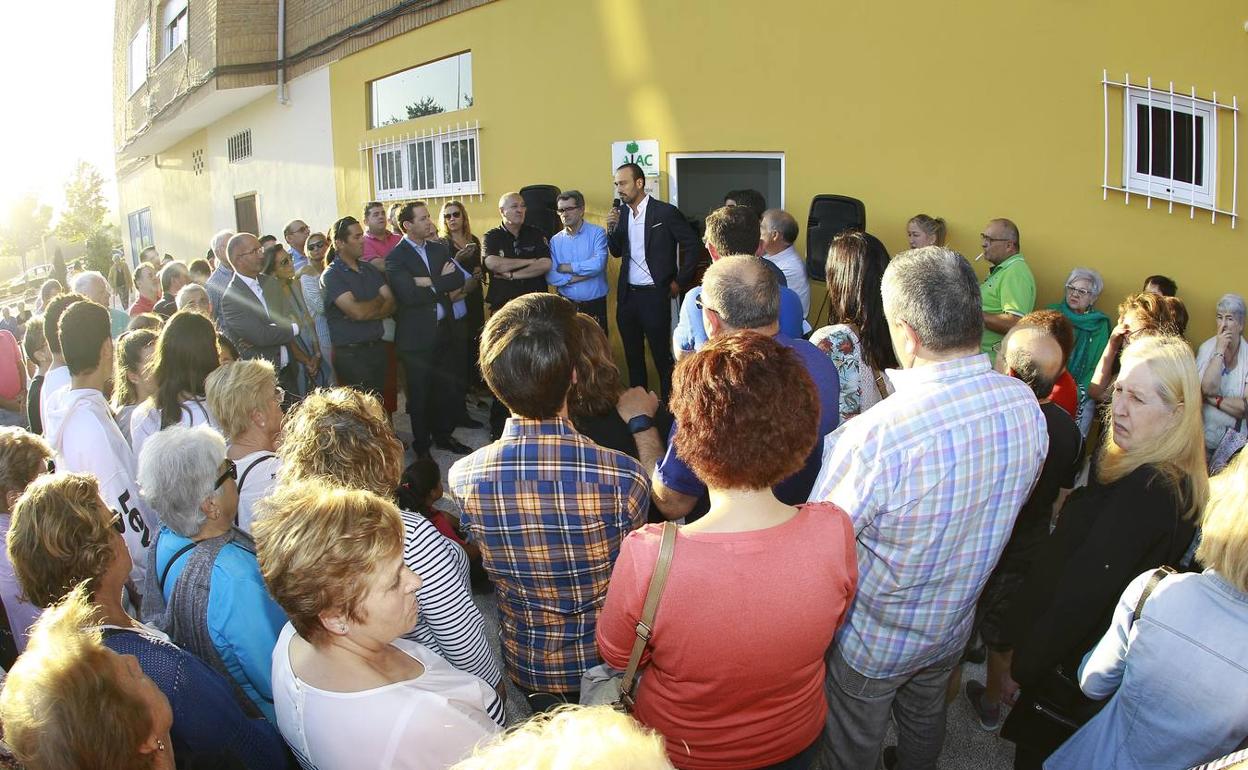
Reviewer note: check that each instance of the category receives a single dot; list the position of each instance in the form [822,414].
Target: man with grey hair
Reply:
[173,276]
[1032,355]
[932,478]
[1009,291]
[94,286]
[219,281]
[578,255]
[1223,370]
[742,293]
[195,298]
[778,232]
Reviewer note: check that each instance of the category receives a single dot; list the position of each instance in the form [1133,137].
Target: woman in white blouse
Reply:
[1223,368]
[186,354]
[348,690]
[856,337]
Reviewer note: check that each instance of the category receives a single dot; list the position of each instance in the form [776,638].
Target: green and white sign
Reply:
[643,152]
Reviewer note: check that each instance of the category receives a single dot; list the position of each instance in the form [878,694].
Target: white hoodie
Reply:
[87,440]
[55,385]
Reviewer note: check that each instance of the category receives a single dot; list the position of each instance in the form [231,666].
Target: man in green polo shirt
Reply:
[1009,291]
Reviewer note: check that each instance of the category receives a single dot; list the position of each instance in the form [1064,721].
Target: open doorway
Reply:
[697,181]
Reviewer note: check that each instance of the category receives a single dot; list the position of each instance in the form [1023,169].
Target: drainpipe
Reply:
[282,98]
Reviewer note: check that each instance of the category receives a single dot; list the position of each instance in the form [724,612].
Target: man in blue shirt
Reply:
[578,253]
[741,293]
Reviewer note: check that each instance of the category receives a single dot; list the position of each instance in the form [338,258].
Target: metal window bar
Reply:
[426,156]
[1192,100]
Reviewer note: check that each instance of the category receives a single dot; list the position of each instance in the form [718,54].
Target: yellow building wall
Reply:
[966,110]
[180,200]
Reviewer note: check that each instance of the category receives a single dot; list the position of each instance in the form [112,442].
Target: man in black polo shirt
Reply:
[356,299]
[517,257]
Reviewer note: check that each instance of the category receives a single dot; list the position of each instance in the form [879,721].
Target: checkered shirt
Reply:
[933,478]
[548,508]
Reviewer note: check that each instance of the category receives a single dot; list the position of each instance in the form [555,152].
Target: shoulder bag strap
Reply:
[242,477]
[1161,573]
[164,573]
[645,626]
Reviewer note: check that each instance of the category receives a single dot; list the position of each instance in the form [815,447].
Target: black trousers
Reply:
[431,387]
[645,315]
[361,366]
[596,309]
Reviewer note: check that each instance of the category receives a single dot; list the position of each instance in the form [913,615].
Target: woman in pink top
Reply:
[733,677]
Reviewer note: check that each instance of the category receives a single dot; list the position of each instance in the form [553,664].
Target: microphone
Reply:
[615,204]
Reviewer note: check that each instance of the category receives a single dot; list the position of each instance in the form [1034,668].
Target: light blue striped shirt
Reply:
[586,252]
[933,478]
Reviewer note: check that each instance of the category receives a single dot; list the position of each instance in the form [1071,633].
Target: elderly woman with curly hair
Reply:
[1223,369]
[343,436]
[350,691]
[246,401]
[787,573]
[63,536]
[203,584]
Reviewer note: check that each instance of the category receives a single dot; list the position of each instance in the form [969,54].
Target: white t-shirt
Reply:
[55,385]
[145,421]
[427,723]
[256,474]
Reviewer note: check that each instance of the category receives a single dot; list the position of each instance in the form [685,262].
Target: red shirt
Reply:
[377,248]
[735,674]
[1066,393]
[141,305]
[12,378]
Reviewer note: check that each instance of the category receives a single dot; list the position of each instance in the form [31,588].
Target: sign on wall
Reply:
[643,152]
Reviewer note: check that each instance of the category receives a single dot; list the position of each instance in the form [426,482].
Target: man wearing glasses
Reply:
[296,234]
[579,254]
[1009,291]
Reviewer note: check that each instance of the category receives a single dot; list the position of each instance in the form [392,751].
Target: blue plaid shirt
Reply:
[933,478]
[549,508]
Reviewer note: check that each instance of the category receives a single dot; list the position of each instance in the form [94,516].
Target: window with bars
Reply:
[440,165]
[238,147]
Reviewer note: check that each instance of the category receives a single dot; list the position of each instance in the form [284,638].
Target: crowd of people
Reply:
[220,553]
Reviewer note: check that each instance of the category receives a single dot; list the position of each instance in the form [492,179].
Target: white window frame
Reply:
[393,166]
[175,20]
[373,84]
[673,186]
[133,78]
[1156,185]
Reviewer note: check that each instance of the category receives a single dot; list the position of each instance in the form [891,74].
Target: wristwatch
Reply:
[640,422]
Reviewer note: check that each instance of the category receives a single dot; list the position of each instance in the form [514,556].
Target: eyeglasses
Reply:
[231,472]
[317,245]
[990,239]
[700,306]
[249,253]
[1073,289]
[452,215]
[566,209]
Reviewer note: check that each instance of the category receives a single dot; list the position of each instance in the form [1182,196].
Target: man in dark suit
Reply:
[254,314]
[422,276]
[645,236]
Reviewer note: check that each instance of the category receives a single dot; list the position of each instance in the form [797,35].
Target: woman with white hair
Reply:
[204,587]
[1224,372]
[1083,289]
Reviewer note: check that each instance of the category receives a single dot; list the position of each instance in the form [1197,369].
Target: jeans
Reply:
[540,701]
[859,708]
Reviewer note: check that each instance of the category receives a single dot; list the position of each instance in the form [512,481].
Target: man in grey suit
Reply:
[254,314]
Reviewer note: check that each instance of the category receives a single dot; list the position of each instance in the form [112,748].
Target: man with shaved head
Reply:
[296,233]
[518,258]
[1009,291]
[1031,354]
[778,232]
[254,312]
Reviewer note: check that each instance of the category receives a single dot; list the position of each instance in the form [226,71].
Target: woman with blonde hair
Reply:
[62,537]
[1138,314]
[573,738]
[351,692]
[23,458]
[923,230]
[245,400]
[70,703]
[1169,645]
[1139,510]
[341,435]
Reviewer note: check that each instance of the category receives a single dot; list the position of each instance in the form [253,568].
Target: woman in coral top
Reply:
[733,677]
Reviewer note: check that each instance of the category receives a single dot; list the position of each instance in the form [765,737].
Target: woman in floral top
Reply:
[856,338]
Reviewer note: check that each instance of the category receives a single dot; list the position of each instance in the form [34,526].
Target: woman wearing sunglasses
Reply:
[456,231]
[310,281]
[204,587]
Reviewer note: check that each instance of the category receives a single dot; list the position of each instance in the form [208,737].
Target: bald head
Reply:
[244,254]
[740,292]
[1031,354]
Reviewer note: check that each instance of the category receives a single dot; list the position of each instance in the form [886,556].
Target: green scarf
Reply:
[1091,336]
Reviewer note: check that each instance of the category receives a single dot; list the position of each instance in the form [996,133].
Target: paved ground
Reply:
[967,746]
